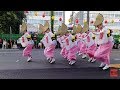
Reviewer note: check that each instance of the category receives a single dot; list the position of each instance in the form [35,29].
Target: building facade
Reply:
[111,18]
[39,17]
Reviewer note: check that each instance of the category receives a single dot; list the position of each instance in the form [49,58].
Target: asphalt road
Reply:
[41,69]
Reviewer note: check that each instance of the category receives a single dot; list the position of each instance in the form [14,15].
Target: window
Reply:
[33,21]
[56,13]
[56,22]
[91,15]
[41,22]
[112,15]
[117,23]
[40,13]
[47,13]
[105,16]
[117,15]
[60,13]
[30,21]
[38,21]
[85,15]
[109,24]
[30,12]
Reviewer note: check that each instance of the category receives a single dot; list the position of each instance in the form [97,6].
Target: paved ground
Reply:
[41,69]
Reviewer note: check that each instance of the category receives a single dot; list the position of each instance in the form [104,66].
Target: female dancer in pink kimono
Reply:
[84,45]
[49,42]
[78,39]
[105,43]
[28,50]
[71,47]
[62,32]
[63,49]
[91,46]
[27,42]
[60,38]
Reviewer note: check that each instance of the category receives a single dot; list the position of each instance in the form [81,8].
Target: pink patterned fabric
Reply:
[63,52]
[28,50]
[66,53]
[91,50]
[72,53]
[79,46]
[83,48]
[103,52]
[49,51]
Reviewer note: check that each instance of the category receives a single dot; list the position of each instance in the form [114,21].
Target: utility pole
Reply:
[81,17]
[71,17]
[88,17]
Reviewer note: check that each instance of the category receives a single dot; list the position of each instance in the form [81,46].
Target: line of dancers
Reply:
[97,44]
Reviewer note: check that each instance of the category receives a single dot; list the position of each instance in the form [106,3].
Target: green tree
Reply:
[10,19]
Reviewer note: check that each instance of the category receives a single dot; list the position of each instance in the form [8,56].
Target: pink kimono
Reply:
[91,50]
[64,51]
[71,48]
[28,50]
[49,45]
[72,53]
[83,47]
[62,45]
[105,46]
[78,40]
[103,52]
[49,51]
[91,46]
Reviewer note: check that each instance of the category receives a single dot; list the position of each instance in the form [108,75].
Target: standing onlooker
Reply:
[1,42]
[10,44]
[14,44]
[28,49]
[35,41]
[4,45]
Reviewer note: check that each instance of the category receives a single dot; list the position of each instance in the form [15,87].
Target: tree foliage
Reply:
[10,18]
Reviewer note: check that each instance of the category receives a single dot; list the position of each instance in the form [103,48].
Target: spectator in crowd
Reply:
[35,40]
[1,42]
[4,45]
[14,44]
[10,44]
